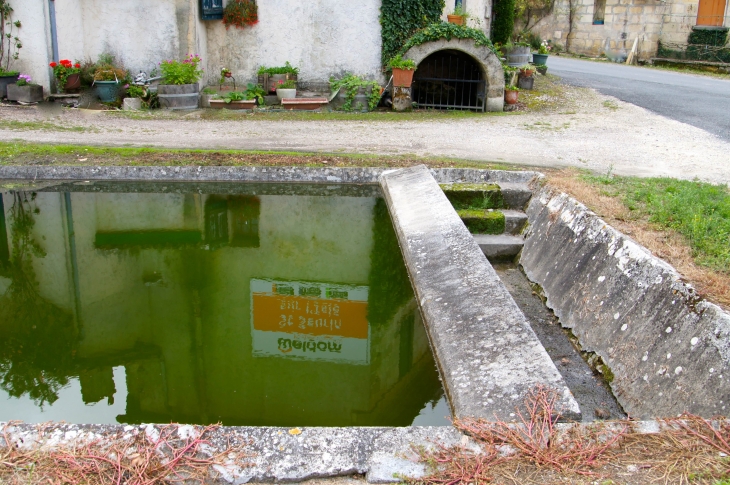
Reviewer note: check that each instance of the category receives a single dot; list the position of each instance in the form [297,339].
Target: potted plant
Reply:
[67,74]
[269,77]
[9,46]
[286,89]
[517,54]
[133,99]
[240,13]
[355,92]
[25,91]
[539,58]
[525,79]
[205,96]
[253,95]
[179,89]
[403,70]
[108,78]
[458,16]
[511,92]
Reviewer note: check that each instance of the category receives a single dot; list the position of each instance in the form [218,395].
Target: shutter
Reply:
[711,12]
[211,9]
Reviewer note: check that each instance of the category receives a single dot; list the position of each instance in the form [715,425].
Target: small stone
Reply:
[295,431]
[601,413]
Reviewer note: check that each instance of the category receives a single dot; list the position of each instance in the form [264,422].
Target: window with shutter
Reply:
[211,9]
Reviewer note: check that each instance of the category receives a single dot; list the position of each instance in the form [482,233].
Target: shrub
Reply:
[182,72]
[240,13]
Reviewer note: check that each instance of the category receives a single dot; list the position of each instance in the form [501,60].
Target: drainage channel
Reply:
[589,388]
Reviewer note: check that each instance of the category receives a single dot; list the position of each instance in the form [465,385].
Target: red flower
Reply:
[53,64]
[77,65]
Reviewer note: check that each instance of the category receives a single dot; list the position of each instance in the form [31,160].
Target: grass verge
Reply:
[686,223]
[21,153]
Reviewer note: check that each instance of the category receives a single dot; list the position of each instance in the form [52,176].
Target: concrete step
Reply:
[514,221]
[516,196]
[500,246]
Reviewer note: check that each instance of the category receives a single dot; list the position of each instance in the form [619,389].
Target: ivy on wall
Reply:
[445,30]
[504,21]
[400,19]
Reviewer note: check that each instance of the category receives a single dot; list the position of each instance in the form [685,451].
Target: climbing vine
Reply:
[400,19]
[444,30]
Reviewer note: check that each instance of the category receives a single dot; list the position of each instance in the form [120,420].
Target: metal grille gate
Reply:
[449,80]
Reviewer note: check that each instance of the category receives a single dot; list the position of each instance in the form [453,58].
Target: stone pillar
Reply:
[402,98]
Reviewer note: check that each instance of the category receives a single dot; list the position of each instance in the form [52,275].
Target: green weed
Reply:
[700,211]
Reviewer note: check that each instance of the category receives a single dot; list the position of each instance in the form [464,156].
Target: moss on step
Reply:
[481,221]
[474,196]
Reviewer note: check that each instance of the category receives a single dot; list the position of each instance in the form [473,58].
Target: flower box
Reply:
[303,103]
[30,93]
[244,104]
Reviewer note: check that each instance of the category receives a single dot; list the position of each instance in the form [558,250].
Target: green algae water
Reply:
[244,304]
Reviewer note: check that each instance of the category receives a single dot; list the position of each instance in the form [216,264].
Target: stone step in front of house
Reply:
[487,196]
[514,221]
[499,247]
[304,103]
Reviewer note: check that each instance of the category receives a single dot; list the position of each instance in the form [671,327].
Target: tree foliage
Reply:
[504,21]
[400,19]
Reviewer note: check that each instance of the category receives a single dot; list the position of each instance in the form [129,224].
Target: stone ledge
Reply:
[364,175]
[488,355]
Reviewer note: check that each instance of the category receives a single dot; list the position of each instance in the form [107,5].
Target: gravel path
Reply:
[588,131]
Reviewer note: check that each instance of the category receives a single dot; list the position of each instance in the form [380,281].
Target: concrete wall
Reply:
[322,37]
[668,350]
[624,21]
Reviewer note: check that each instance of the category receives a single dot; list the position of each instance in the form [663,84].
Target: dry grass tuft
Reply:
[142,459]
[535,450]
[665,244]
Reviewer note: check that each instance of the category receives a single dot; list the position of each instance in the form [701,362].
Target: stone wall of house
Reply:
[323,38]
[624,21]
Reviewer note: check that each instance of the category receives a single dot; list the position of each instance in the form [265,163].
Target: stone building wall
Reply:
[670,21]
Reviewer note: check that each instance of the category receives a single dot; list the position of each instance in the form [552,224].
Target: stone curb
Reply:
[488,355]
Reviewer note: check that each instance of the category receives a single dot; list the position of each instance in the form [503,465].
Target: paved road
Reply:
[700,101]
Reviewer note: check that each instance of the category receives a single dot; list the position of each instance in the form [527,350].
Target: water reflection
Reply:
[253,306]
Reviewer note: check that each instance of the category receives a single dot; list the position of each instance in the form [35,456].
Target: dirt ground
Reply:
[574,128]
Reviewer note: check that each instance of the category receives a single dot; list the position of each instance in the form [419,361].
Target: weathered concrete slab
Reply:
[356,175]
[499,246]
[276,455]
[488,355]
[668,350]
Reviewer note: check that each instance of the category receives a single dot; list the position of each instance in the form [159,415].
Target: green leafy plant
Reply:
[10,44]
[255,91]
[182,72]
[134,91]
[401,19]
[288,84]
[398,62]
[240,13]
[208,91]
[459,11]
[285,69]
[544,48]
[352,84]
[63,69]
[231,96]
[445,30]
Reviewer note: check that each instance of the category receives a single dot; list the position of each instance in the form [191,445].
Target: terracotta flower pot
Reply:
[456,19]
[243,104]
[510,97]
[73,82]
[402,77]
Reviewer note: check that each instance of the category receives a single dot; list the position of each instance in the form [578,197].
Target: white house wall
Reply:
[322,37]
[35,37]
